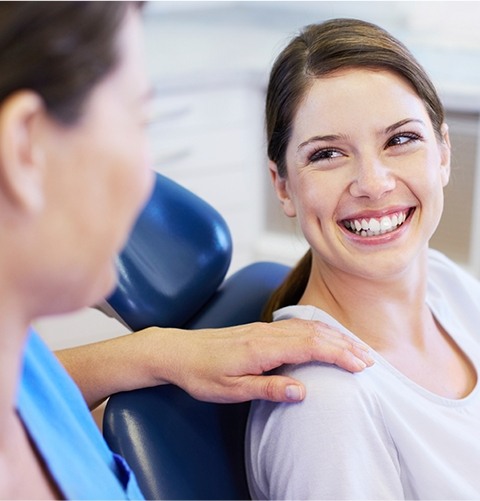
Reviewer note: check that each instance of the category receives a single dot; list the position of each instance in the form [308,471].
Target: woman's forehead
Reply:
[354,95]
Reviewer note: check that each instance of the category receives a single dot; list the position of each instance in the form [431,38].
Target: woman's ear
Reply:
[281,186]
[21,154]
[445,154]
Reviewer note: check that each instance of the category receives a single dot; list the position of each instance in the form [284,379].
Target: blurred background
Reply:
[210,61]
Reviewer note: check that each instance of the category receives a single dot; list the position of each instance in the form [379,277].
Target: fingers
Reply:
[340,349]
[351,362]
[279,389]
[316,341]
[273,388]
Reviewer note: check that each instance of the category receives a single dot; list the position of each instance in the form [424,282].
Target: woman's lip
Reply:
[377,214]
[367,228]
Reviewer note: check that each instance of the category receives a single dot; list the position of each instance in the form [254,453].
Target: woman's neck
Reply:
[381,311]
[13,333]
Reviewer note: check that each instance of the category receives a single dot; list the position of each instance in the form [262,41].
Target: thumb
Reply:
[276,389]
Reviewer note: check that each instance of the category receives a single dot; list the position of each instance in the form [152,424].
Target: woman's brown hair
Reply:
[319,50]
[60,50]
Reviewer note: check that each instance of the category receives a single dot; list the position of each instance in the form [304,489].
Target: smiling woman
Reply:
[360,154]
[339,172]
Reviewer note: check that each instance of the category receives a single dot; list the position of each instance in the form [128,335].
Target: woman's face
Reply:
[98,176]
[365,172]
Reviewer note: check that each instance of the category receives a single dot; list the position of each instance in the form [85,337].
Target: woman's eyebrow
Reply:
[401,123]
[314,139]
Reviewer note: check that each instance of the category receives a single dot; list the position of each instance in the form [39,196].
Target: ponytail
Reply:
[291,290]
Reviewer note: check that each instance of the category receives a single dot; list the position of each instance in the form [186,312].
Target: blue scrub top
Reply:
[60,424]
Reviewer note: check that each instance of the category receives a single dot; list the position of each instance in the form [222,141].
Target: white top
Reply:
[374,434]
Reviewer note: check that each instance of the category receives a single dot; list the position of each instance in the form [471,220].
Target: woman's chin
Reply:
[110,281]
[102,286]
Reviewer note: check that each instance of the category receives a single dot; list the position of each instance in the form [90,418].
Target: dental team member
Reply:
[360,154]
[73,98]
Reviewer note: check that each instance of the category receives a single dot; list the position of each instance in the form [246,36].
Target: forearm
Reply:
[124,363]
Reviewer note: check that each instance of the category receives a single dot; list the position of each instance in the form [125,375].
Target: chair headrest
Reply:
[176,257]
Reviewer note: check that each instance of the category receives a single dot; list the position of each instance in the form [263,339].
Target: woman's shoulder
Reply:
[326,382]
[330,387]
[333,396]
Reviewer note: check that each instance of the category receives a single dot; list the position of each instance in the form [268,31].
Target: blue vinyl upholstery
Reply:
[175,259]
[171,274]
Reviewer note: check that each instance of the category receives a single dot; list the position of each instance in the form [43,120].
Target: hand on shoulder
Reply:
[230,364]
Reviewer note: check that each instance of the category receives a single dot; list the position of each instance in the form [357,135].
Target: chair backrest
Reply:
[177,255]
[178,447]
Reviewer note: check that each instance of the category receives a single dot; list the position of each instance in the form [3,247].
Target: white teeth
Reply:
[386,224]
[373,226]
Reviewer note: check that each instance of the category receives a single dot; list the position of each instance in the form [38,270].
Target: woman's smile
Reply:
[372,226]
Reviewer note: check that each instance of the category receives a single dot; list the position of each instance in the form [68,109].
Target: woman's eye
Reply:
[403,138]
[324,154]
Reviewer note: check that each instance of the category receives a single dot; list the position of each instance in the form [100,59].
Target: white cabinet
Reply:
[459,230]
[208,136]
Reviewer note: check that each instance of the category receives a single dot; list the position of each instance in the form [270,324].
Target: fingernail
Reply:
[294,392]
[364,355]
[361,364]
[368,359]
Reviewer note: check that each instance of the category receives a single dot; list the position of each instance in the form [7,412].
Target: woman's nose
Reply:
[372,179]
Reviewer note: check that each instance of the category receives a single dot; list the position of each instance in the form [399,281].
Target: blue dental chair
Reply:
[172,274]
